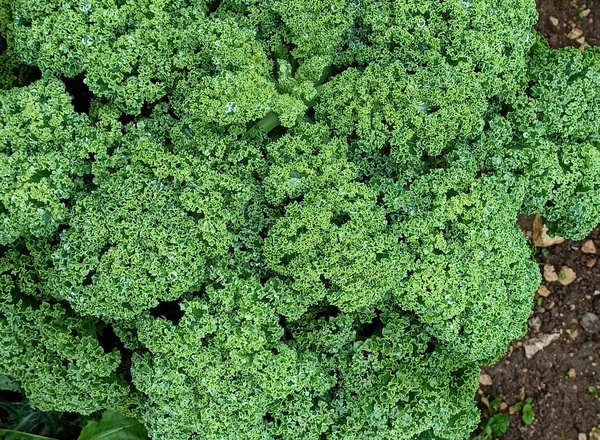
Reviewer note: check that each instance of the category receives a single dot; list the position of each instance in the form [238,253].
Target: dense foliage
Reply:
[280,219]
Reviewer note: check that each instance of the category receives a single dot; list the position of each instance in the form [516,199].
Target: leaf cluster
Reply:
[280,219]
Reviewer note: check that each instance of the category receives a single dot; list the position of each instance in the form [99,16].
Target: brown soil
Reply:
[573,23]
[557,378]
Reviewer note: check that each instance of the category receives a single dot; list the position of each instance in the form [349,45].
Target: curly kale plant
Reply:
[280,219]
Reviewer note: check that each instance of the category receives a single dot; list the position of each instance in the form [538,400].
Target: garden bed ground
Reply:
[558,377]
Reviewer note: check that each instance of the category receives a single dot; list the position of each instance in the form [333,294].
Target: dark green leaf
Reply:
[18,435]
[8,384]
[500,424]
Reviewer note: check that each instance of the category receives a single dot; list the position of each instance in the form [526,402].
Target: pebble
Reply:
[554,21]
[583,46]
[588,246]
[566,276]
[535,323]
[532,346]
[572,373]
[590,323]
[543,291]
[595,435]
[582,436]
[589,348]
[485,380]
[574,34]
[591,262]
[550,273]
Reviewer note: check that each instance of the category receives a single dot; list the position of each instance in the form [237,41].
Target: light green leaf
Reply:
[114,426]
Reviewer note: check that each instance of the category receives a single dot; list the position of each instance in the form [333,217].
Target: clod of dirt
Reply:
[540,234]
[535,323]
[543,291]
[566,276]
[485,380]
[550,273]
[591,262]
[590,323]
[535,345]
[588,247]
[595,435]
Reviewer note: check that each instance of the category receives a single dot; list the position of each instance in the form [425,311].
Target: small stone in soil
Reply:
[543,291]
[485,380]
[535,323]
[582,436]
[574,34]
[589,348]
[550,273]
[588,246]
[590,323]
[554,21]
[591,262]
[572,373]
[566,276]
[534,345]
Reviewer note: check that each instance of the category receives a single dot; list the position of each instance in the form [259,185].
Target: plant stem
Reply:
[266,124]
